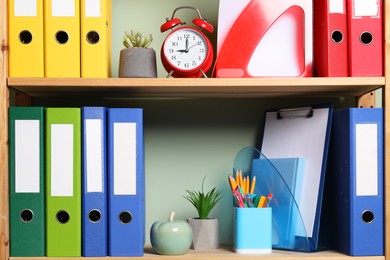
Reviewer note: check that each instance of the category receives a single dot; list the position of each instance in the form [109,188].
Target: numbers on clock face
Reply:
[185,49]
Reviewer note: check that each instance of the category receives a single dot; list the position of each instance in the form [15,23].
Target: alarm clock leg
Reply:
[170,74]
[204,74]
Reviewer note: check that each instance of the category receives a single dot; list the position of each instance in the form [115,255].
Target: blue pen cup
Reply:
[252,230]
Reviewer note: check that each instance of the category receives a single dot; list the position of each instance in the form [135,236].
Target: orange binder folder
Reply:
[267,38]
[330,38]
[25,21]
[95,18]
[62,38]
[365,38]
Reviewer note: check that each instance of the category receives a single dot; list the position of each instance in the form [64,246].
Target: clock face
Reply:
[185,49]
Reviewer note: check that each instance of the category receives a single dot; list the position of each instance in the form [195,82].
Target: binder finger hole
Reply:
[94,215]
[25,37]
[62,216]
[366,38]
[93,37]
[62,37]
[125,217]
[26,215]
[337,36]
[368,216]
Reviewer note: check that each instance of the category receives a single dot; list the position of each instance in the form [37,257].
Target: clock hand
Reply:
[186,49]
[192,46]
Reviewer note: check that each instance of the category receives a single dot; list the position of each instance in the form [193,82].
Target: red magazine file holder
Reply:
[251,27]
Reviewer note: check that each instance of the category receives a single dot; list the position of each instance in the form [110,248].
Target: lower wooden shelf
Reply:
[224,252]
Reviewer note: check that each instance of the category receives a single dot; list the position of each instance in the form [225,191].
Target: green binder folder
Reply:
[26,181]
[63,182]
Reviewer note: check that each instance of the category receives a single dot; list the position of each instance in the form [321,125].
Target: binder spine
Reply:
[94,176]
[26,184]
[126,182]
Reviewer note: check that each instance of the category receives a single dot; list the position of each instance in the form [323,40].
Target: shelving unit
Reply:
[188,88]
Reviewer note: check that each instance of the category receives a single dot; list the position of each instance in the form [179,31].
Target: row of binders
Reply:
[76,179]
[348,38]
[59,38]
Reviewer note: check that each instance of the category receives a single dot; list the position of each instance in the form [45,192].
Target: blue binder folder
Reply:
[94,172]
[356,161]
[126,187]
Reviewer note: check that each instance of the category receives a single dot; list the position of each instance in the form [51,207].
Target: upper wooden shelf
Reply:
[210,87]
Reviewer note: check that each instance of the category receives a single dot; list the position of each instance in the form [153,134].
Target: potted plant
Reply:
[137,60]
[205,230]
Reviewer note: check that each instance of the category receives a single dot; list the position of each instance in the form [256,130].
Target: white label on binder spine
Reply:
[63,8]
[61,160]
[336,6]
[125,163]
[27,156]
[94,154]
[92,8]
[366,8]
[25,8]
[366,159]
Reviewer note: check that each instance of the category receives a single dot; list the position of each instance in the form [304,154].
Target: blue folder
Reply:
[126,187]
[356,176]
[94,172]
[287,188]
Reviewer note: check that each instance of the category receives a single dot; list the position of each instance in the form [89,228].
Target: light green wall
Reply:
[148,15]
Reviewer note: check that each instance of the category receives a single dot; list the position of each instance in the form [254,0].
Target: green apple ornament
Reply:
[173,237]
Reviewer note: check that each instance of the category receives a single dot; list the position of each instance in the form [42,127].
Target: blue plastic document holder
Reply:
[252,230]
[288,229]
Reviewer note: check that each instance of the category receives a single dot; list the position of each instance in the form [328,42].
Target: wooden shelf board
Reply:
[224,253]
[212,87]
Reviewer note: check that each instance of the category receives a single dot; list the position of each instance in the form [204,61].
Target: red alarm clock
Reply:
[186,51]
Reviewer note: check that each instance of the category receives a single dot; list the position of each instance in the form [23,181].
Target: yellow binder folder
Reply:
[95,17]
[62,38]
[25,21]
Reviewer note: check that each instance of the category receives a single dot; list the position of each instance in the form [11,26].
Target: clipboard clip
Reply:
[306,112]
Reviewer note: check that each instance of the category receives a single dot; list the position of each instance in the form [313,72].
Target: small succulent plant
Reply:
[134,39]
[204,202]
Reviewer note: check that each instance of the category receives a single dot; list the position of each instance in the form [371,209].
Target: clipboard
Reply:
[302,132]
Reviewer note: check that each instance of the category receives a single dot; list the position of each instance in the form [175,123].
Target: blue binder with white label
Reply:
[126,189]
[94,172]
[356,171]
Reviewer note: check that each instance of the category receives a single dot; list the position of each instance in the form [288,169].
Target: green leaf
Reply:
[204,203]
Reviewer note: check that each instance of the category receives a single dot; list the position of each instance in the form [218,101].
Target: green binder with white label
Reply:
[63,182]
[26,181]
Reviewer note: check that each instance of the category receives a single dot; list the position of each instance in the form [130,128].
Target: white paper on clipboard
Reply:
[300,136]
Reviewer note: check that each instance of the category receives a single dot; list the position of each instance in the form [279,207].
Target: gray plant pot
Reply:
[137,63]
[205,233]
